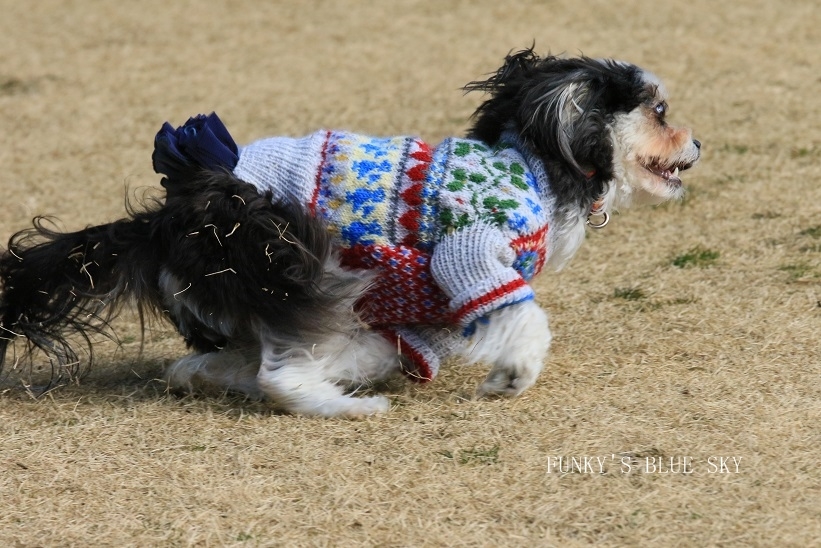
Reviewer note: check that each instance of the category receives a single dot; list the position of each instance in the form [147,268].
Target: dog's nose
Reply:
[697,143]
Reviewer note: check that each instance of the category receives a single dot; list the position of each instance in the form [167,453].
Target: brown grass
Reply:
[685,330]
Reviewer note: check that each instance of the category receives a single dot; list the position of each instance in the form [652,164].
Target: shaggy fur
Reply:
[273,314]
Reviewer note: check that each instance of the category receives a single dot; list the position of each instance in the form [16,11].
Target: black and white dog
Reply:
[299,268]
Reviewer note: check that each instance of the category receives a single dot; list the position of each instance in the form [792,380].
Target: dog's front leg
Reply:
[474,267]
[515,339]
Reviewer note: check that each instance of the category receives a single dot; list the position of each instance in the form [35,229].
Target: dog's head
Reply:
[599,126]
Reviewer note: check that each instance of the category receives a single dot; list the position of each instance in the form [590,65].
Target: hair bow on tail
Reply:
[202,143]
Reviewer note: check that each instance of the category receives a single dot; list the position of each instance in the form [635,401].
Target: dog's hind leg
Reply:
[367,357]
[216,372]
[303,378]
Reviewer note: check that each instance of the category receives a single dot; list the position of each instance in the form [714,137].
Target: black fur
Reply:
[572,144]
[56,285]
[60,284]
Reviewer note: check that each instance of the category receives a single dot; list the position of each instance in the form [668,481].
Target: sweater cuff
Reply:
[497,294]
[473,266]
[419,361]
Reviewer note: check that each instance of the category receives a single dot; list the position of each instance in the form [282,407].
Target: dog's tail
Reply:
[222,261]
[55,285]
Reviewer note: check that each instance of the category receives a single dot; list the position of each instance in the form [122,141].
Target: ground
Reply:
[684,331]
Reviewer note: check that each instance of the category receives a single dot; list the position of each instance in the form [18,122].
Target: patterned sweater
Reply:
[453,232]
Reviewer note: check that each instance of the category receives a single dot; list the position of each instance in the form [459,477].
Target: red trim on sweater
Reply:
[489,297]
[536,242]
[422,372]
[324,155]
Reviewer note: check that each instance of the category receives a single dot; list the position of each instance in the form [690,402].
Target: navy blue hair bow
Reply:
[201,143]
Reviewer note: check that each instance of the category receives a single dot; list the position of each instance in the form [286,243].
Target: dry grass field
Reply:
[684,331]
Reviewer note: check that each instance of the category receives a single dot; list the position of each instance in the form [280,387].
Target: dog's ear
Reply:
[554,104]
[563,116]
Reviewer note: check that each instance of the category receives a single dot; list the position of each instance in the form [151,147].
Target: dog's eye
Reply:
[660,109]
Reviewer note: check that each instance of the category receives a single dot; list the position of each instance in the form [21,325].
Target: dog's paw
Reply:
[372,405]
[509,381]
[349,407]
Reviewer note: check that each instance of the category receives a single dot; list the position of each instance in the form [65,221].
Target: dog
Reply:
[298,269]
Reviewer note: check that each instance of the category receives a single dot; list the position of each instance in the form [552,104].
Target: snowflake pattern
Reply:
[356,180]
[489,185]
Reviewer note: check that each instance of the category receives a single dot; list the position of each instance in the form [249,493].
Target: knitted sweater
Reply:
[454,232]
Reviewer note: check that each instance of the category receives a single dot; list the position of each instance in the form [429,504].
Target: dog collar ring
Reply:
[601,224]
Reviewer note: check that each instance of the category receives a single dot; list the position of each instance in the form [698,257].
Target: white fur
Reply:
[308,380]
[630,134]
[515,339]
[567,235]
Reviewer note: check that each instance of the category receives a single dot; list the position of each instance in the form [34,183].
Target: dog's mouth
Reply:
[669,174]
